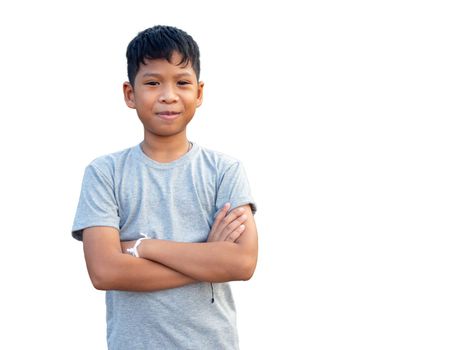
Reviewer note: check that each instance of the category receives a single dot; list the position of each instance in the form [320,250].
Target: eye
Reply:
[184,82]
[152,83]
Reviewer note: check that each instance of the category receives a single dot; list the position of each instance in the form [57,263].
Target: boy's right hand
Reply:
[228,227]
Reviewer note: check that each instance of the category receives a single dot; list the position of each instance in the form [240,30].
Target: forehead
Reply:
[161,66]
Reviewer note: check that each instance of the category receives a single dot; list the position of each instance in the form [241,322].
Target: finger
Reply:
[231,223]
[220,216]
[233,215]
[236,234]
[234,225]
[214,233]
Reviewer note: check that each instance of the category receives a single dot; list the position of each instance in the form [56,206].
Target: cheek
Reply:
[145,101]
[191,99]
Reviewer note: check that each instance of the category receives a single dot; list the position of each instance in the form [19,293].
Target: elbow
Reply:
[99,284]
[247,269]
[248,273]
[105,273]
[100,280]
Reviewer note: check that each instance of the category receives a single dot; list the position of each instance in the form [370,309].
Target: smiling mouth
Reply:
[168,115]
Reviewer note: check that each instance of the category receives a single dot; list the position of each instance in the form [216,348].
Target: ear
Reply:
[129,95]
[199,99]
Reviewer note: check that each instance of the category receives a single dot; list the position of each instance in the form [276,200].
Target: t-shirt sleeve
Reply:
[234,188]
[97,204]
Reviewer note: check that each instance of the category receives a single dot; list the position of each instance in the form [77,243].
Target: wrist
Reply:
[151,249]
[135,250]
[141,250]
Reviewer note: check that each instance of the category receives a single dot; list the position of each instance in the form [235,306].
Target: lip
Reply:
[168,115]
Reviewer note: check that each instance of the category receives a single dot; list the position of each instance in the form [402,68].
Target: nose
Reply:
[168,95]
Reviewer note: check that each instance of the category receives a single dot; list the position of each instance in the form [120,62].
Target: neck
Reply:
[165,149]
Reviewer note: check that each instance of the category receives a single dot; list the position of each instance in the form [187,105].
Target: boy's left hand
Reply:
[228,227]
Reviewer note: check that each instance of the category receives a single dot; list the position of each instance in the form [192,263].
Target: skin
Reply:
[165,96]
[162,86]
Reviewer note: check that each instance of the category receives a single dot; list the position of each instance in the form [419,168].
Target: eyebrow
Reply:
[157,75]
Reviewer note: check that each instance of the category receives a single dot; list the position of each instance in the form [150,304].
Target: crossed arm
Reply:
[229,254]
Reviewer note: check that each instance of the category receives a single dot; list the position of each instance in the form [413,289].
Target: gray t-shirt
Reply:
[172,201]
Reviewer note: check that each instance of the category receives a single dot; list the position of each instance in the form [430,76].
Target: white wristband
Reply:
[134,251]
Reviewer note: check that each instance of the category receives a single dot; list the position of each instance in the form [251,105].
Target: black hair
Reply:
[161,42]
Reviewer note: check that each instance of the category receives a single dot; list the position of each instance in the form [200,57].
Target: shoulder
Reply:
[219,161]
[108,164]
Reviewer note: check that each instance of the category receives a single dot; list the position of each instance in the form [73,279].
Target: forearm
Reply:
[209,262]
[140,275]
[110,269]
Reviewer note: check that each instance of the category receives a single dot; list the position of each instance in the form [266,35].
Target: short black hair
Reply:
[161,42]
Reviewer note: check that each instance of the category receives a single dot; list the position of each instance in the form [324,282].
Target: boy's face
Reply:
[165,95]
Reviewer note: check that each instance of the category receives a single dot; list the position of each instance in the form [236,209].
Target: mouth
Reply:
[168,115]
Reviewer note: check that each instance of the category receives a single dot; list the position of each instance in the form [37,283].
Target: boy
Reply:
[156,222]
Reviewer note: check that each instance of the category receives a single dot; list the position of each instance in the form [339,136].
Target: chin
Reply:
[164,133]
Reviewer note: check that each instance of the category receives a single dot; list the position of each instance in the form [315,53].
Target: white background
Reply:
[348,115]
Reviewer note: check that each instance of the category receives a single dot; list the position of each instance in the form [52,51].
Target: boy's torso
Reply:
[164,201]
[174,201]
